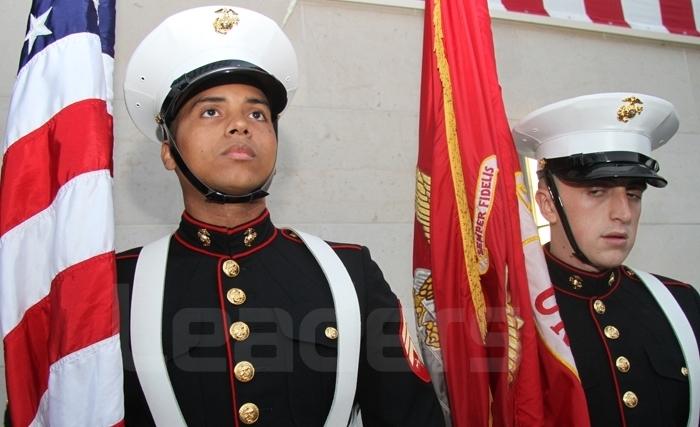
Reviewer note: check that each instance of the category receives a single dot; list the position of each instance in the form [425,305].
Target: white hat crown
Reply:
[596,123]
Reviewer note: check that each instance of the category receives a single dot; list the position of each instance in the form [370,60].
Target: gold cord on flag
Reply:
[465,224]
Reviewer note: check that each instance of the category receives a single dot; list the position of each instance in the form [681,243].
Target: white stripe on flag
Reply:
[84,372]
[68,71]
[695,4]
[643,15]
[567,9]
[108,66]
[78,225]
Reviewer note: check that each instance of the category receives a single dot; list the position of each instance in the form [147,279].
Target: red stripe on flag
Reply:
[677,16]
[76,140]
[64,321]
[606,12]
[526,6]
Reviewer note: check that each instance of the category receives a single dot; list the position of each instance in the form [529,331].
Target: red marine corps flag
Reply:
[496,347]
[57,273]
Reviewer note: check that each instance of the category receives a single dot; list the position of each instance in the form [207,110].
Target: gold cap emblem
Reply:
[226,20]
[204,236]
[249,236]
[630,109]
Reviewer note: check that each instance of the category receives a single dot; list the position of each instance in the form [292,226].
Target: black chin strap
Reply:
[554,193]
[209,193]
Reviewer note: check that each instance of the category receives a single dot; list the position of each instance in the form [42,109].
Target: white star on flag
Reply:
[37,27]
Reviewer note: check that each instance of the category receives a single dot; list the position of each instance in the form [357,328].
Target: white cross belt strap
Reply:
[147,345]
[347,313]
[684,334]
[146,327]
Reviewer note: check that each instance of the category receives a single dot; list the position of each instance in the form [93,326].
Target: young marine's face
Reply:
[603,216]
[226,137]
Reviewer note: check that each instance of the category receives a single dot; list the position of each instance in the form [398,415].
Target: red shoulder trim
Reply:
[345,246]
[290,235]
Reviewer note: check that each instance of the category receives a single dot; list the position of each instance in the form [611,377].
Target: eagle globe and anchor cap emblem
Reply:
[630,109]
[227,18]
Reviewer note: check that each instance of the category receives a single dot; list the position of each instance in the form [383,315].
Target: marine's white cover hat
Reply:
[203,47]
[605,135]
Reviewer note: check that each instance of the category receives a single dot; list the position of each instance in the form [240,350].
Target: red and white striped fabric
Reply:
[662,16]
[59,314]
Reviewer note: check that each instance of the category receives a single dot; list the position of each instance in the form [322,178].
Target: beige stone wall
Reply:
[348,142]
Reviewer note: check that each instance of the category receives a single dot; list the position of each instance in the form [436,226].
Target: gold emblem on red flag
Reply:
[423,202]
[630,109]
[424,303]
[515,324]
[226,20]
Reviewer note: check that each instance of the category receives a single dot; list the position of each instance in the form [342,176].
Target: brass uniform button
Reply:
[235,296]
[611,332]
[331,333]
[244,371]
[249,413]
[231,268]
[599,306]
[630,399]
[249,237]
[576,282]
[684,371]
[623,365]
[204,236]
[239,331]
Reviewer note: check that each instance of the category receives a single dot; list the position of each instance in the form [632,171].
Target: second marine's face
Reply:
[603,216]
[226,137]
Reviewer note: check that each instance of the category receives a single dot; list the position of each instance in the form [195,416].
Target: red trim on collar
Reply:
[226,230]
[227,256]
[595,275]
[612,289]
[127,256]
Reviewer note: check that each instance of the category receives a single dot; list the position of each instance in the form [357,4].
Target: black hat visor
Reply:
[609,165]
[221,73]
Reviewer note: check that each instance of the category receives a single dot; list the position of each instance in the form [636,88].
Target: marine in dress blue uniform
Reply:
[249,325]
[592,149]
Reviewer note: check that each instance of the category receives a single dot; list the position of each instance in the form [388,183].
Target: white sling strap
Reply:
[684,334]
[347,313]
[146,340]
[146,330]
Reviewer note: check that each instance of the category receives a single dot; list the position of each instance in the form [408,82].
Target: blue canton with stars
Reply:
[51,20]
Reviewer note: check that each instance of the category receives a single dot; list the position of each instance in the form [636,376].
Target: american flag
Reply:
[58,305]
[661,16]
